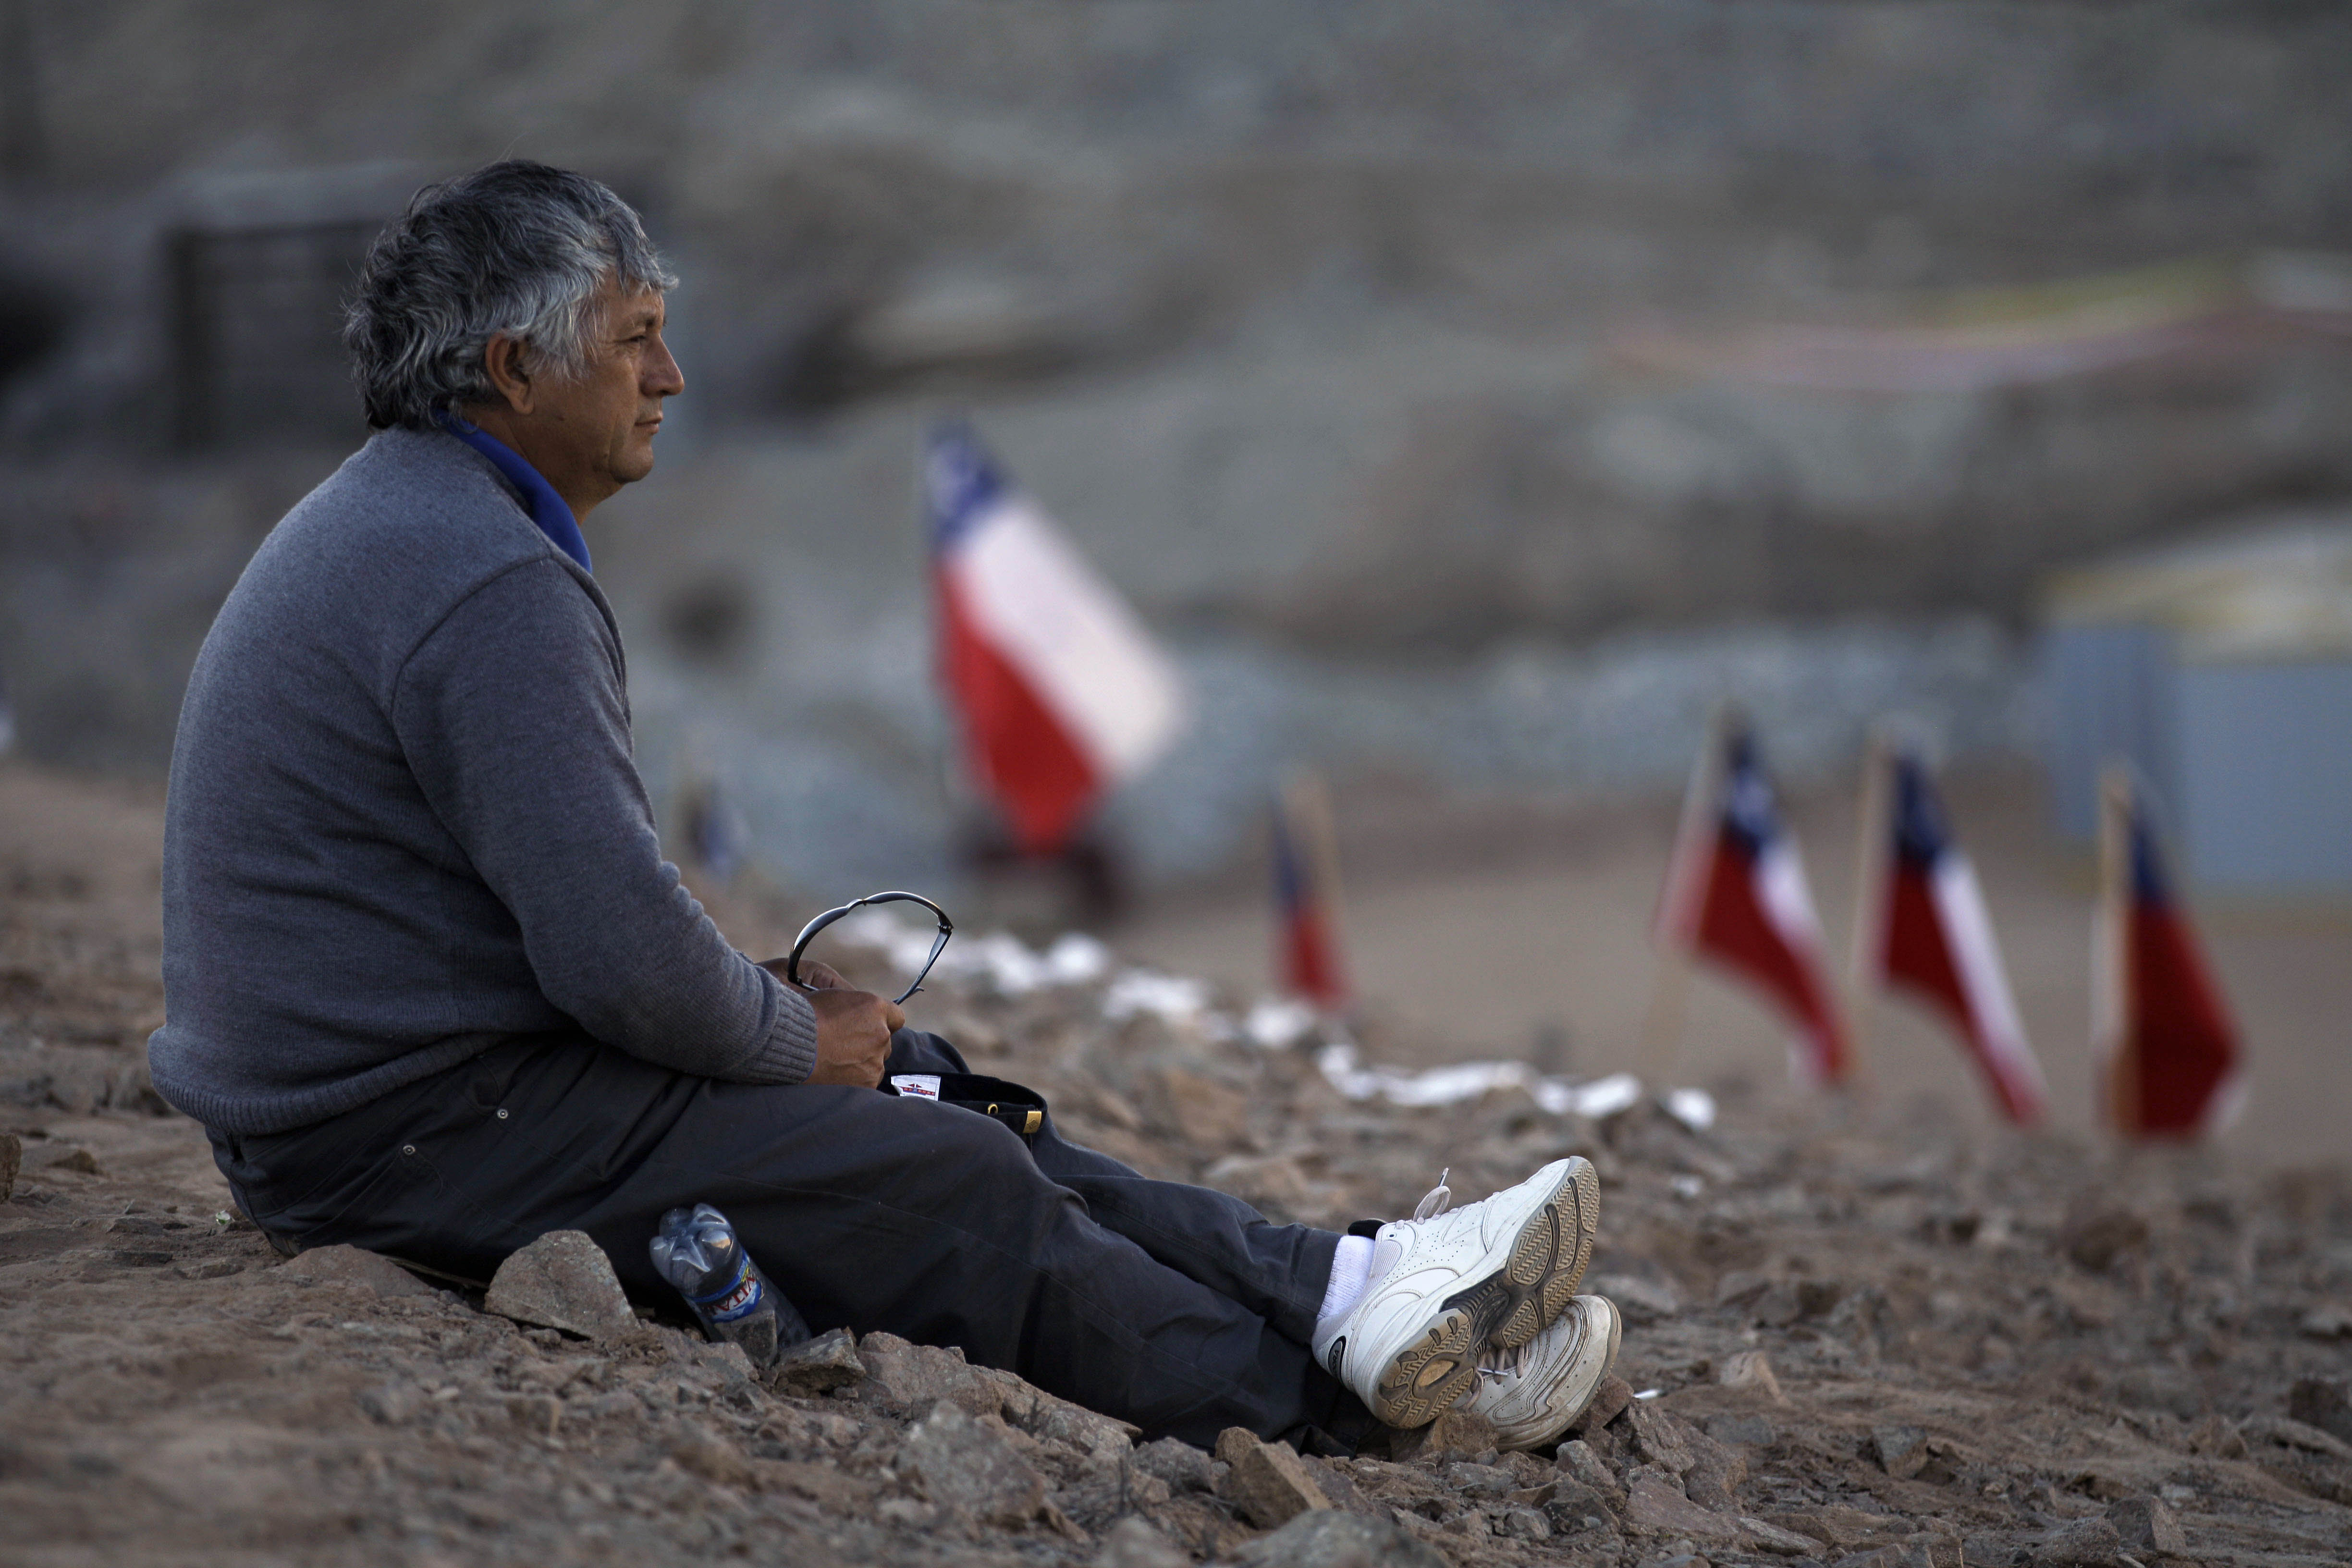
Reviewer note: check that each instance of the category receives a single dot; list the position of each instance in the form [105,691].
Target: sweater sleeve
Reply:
[513,719]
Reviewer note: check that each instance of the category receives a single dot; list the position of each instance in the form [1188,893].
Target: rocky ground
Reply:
[1864,1343]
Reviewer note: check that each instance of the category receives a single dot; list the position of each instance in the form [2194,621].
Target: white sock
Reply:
[1351,1269]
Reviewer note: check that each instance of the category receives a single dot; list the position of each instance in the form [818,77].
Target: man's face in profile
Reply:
[591,432]
[611,412]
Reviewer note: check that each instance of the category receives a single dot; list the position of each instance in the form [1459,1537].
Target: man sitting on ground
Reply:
[434,991]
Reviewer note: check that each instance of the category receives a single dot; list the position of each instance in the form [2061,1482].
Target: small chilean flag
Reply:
[2171,1057]
[1929,933]
[1306,942]
[1736,893]
[1060,690]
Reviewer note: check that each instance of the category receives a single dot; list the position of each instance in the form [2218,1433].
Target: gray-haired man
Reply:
[434,991]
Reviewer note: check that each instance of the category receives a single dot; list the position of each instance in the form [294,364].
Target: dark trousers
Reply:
[1176,1307]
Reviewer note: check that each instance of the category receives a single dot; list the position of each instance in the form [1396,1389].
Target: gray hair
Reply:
[517,249]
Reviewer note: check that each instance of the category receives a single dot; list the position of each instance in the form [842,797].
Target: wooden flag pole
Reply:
[1662,1020]
[1873,849]
[2110,978]
[1307,800]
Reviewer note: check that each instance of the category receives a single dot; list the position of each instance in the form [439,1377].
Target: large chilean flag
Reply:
[2170,1054]
[1934,938]
[1736,893]
[1060,690]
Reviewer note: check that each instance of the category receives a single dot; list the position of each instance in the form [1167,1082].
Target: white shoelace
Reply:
[1437,1200]
[1499,1364]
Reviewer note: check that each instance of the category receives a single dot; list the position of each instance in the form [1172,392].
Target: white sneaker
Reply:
[1533,1391]
[1445,1288]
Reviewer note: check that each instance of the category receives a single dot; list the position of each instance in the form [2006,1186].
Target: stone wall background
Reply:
[1298,318]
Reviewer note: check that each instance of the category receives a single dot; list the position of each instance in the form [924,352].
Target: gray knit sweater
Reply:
[404,824]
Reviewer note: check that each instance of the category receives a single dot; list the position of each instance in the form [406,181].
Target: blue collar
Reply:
[546,508]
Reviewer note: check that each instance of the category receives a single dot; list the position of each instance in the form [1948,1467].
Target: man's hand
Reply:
[852,1028]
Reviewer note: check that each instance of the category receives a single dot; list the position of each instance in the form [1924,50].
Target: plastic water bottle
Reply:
[697,1251]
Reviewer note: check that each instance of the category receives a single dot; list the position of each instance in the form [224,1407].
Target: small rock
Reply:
[1234,1442]
[1574,1496]
[2329,1322]
[537,1413]
[2145,1524]
[1750,1431]
[1609,1401]
[1741,1287]
[1915,1552]
[1846,1528]
[138,1258]
[2320,1401]
[1523,1524]
[1900,1450]
[714,1459]
[1751,1370]
[1530,1470]
[393,1403]
[1182,1466]
[353,1265]
[1326,1538]
[1652,1505]
[737,1379]
[1638,1300]
[1579,1463]
[2096,1239]
[970,1471]
[2086,1543]
[1209,1114]
[1479,1480]
[81,1161]
[1575,1509]
[819,1365]
[2292,1434]
[1268,1483]
[1132,1542]
[1032,1410]
[912,1377]
[12,1159]
[827,1485]
[1455,1434]
[1658,1438]
[1713,1482]
[1770,1537]
[2217,1437]
[564,1280]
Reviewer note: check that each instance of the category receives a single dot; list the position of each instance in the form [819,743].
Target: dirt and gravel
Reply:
[1858,1344]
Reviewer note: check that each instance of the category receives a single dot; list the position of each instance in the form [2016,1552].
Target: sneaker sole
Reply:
[1508,1308]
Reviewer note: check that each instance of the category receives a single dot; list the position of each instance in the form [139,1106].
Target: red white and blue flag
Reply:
[2170,1053]
[1929,934]
[1306,938]
[1736,894]
[1061,692]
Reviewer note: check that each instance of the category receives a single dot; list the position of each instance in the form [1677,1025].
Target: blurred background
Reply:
[1469,397]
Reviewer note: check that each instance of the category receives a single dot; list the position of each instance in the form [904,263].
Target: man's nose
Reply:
[663,378]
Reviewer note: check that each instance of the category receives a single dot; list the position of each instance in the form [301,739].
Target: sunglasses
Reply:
[809,932]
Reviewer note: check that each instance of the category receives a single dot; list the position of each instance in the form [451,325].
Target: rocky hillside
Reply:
[1849,1341]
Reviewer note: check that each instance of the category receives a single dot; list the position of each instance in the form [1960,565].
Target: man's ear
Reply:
[506,364]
